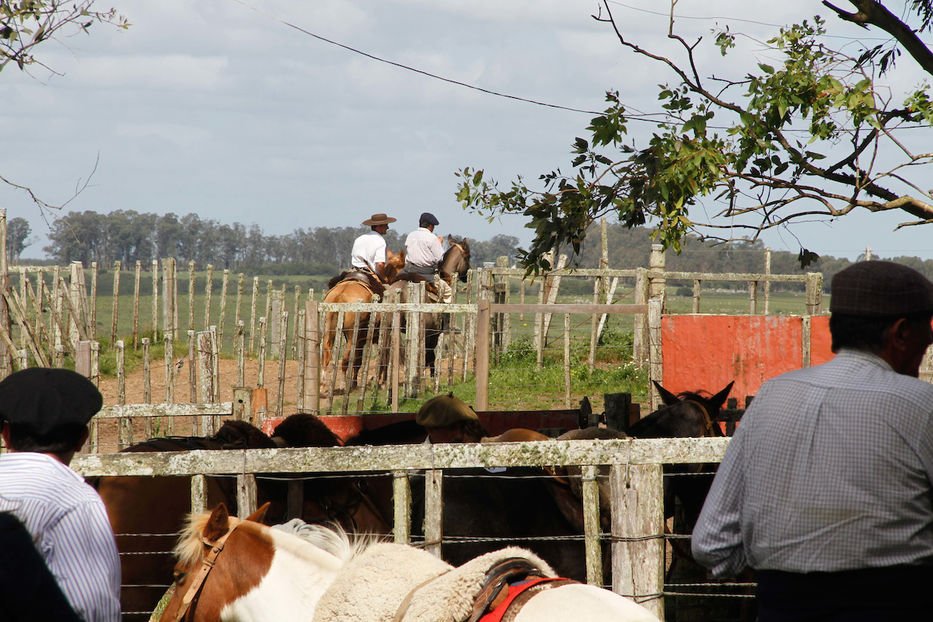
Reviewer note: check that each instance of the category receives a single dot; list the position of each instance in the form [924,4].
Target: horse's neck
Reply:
[289,592]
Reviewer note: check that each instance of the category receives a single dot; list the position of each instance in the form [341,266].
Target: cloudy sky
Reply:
[235,111]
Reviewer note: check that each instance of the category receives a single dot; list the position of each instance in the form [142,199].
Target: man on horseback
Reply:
[423,255]
[45,414]
[369,250]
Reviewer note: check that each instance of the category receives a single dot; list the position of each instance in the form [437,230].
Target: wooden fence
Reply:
[635,475]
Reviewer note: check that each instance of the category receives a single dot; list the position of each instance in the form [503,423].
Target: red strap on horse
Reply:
[517,589]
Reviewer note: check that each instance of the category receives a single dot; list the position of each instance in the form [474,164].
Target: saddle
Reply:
[404,584]
[368,279]
[429,287]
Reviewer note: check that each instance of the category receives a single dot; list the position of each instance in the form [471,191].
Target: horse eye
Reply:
[179,576]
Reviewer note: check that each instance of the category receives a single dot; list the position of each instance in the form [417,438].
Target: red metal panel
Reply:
[709,351]
[821,344]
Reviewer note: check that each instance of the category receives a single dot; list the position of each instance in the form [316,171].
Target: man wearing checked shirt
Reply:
[825,489]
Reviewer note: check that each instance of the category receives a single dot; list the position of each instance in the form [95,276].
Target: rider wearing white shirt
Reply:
[369,249]
[423,254]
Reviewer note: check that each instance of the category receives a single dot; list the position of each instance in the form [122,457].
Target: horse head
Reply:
[456,261]
[685,414]
[394,265]
[243,568]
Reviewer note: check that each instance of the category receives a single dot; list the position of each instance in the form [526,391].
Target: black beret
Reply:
[443,411]
[880,289]
[42,399]
[428,218]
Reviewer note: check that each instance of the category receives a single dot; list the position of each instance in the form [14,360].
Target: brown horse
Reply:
[255,573]
[357,287]
[147,512]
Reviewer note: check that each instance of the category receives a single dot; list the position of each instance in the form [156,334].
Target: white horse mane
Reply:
[331,538]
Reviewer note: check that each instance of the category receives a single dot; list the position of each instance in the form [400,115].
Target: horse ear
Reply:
[218,524]
[719,399]
[259,515]
[668,398]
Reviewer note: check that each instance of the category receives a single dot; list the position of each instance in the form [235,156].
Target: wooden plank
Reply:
[198,493]
[405,457]
[591,528]
[401,502]
[433,511]
[246,495]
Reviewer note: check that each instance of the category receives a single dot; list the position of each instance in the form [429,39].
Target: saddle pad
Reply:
[373,585]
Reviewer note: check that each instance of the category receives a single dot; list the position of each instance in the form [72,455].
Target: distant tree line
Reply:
[128,236]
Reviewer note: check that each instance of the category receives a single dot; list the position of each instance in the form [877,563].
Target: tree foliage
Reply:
[26,24]
[813,136]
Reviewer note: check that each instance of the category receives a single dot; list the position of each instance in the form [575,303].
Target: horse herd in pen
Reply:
[319,567]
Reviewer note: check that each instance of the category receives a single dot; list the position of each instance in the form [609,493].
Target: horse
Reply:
[244,571]
[349,287]
[145,512]
[453,267]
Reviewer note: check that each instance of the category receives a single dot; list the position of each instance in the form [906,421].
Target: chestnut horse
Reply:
[355,287]
[243,571]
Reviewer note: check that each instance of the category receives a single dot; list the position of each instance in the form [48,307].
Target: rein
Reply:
[194,590]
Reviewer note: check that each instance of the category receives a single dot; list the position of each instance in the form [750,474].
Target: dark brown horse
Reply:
[453,267]
[350,287]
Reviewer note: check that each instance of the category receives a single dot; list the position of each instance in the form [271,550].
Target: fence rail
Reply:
[637,532]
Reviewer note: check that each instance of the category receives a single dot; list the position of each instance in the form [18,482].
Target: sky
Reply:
[233,110]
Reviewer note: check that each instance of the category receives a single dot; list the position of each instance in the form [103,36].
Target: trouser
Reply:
[870,594]
[444,291]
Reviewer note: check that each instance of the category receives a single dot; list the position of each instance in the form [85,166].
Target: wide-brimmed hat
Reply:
[43,399]
[443,411]
[880,289]
[378,219]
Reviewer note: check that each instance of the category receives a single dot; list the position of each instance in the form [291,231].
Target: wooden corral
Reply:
[637,532]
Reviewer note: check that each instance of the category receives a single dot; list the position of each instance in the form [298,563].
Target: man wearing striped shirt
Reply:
[826,489]
[45,414]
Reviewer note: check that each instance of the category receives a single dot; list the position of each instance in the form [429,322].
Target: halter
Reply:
[206,566]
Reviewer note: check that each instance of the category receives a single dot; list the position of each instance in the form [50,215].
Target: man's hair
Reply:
[425,224]
[865,333]
[63,439]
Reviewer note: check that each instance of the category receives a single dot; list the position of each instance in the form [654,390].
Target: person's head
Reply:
[450,420]
[47,410]
[428,221]
[379,223]
[885,308]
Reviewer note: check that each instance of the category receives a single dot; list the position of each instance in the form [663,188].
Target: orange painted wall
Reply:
[706,352]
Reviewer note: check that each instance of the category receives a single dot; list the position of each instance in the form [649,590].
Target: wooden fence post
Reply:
[640,324]
[208,290]
[138,275]
[312,349]
[655,362]
[252,313]
[814,292]
[192,367]
[401,497]
[169,299]
[155,300]
[433,510]
[206,378]
[638,530]
[191,283]
[767,281]
[6,355]
[116,302]
[482,355]
[276,307]
[223,309]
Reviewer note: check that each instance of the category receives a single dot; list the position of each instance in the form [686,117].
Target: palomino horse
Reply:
[355,286]
[243,571]
[453,267]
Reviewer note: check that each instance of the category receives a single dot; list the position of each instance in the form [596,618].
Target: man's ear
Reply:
[84,436]
[5,434]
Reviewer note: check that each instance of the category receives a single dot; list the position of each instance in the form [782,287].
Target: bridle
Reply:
[207,564]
